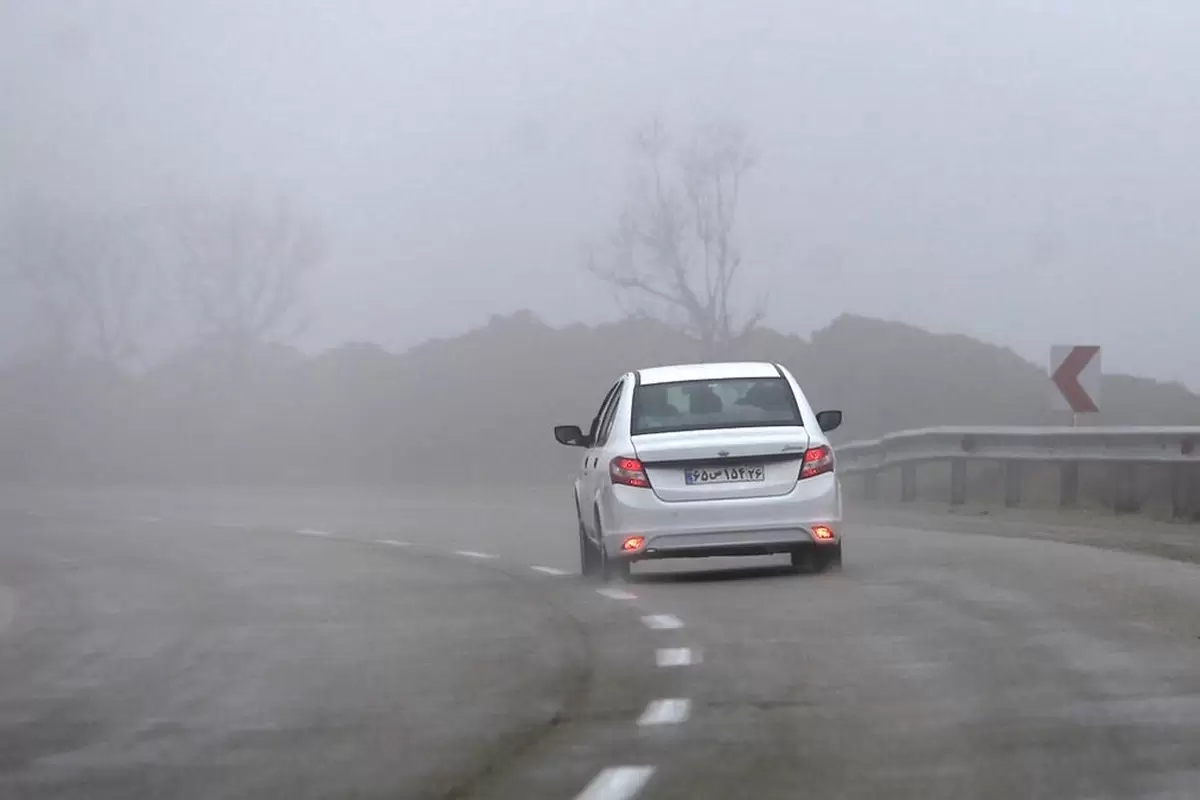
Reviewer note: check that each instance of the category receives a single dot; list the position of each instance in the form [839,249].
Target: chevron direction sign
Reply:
[1075,378]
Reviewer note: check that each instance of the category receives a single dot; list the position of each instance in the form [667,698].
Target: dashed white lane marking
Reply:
[616,783]
[662,622]
[671,711]
[548,570]
[473,554]
[676,657]
[313,532]
[392,542]
[617,594]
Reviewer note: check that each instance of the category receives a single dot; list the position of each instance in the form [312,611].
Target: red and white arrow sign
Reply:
[1075,373]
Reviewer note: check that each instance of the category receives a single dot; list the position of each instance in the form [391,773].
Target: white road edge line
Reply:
[676,657]
[392,542]
[473,554]
[548,570]
[671,711]
[617,594]
[312,532]
[616,783]
[662,622]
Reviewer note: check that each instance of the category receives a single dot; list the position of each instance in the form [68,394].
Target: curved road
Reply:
[154,659]
[203,646]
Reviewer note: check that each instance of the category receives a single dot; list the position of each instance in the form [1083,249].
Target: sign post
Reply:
[1075,379]
[1075,387]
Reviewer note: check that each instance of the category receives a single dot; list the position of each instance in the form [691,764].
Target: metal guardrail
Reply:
[1124,448]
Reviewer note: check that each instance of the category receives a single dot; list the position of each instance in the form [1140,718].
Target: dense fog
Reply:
[227,223]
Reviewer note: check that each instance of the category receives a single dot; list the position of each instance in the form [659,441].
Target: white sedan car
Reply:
[701,460]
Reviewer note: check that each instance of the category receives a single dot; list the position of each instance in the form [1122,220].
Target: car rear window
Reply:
[699,405]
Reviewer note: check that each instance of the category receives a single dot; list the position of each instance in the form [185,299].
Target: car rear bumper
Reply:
[750,526]
[727,543]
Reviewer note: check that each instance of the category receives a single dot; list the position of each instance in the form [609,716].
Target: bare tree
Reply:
[674,254]
[87,273]
[242,269]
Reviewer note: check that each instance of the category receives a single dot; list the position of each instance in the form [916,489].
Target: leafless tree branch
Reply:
[89,274]
[242,268]
[674,243]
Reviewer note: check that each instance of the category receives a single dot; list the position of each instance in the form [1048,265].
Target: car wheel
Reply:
[609,568]
[803,560]
[587,554]
[612,568]
[615,569]
[815,559]
[833,559]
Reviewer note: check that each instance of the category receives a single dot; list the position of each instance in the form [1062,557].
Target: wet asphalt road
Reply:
[198,645]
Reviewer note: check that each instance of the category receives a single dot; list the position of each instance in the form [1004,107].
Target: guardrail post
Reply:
[1068,486]
[870,484]
[1181,491]
[908,482]
[1124,489]
[958,481]
[1012,484]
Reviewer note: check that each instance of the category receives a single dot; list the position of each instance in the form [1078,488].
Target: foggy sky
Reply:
[1021,171]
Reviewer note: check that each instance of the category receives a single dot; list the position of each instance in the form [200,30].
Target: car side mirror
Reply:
[829,420]
[570,435]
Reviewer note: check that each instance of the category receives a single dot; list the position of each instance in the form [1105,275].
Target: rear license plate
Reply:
[743,474]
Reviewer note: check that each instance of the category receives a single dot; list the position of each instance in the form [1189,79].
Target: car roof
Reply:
[708,372]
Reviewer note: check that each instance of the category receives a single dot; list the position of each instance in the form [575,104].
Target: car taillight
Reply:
[823,532]
[817,461]
[628,472]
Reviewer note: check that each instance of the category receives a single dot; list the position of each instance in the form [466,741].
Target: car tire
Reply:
[615,569]
[609,569]
[828,559]
[835,558]
[587,554]
[817,559]
[803,560]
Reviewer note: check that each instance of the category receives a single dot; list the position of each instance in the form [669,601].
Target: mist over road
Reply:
[164,659]
[428,643]
[375,251]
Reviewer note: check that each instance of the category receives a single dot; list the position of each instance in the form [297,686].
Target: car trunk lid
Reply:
[723,463]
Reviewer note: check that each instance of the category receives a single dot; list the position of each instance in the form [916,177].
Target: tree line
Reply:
[105,285]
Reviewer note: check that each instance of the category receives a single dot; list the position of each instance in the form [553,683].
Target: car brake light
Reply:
[823,532]
[633,543]
[817,461]
[628,472]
